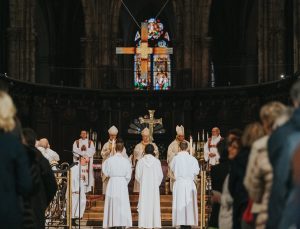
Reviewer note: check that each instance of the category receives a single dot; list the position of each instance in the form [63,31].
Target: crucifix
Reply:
[151,121]
[144,51]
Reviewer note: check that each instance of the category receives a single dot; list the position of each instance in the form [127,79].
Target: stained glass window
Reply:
[159,66]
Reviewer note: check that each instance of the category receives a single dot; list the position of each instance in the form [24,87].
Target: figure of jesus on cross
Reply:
[151,121]
[144,51]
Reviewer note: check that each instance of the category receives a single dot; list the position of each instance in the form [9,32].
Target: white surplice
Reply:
[107,152]
[184,208]
[212,148]
[75,193]
[89,152]
[149,175]
[138,153]
[173,149]
[117,210]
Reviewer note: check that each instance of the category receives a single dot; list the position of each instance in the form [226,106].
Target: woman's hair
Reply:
[236,140]
[252,132]
[7,112]
[119,145]
[270,112]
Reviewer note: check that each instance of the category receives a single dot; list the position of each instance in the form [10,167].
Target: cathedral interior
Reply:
[58,60]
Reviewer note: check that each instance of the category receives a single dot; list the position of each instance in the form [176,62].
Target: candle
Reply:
[203,135]
[99,145]
[198,137]
[87,136]
[207,137]
[191,145]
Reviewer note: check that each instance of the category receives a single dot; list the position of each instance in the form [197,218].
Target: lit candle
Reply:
[191,145]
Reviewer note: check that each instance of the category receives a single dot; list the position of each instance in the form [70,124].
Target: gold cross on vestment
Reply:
[144,50]
[151,121]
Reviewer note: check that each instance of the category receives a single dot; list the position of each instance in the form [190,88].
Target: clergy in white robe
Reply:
[117,212]
[149,175]
[108,150]
[78,205]
[184,206]
[211,153]
[85,148]
[139,152]
[173,149]
[44,147]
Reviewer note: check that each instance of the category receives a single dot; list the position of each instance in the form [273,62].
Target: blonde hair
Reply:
[252,132]
[270,112]
[7,112]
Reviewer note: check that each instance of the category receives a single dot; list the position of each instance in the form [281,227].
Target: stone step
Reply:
[164,209]
[99,216]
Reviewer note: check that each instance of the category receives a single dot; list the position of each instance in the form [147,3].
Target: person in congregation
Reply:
[44,146]
[78,190]
[238,164]
[43,180]
[139,152]
[149,175]
[15,175]
[108,149]
[218,175]
[259,167]
[185,205]
[280,152]
[84,147]
[234,146]
[117,211]
[211,154]
[173,149]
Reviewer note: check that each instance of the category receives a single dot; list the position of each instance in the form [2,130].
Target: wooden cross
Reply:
[151,121]
[144,50]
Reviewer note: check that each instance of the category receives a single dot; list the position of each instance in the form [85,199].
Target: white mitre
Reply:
[145,132]
[113,130]
[180,130]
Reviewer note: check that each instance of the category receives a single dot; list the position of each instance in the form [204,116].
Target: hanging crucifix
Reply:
[144,51]
[151,121]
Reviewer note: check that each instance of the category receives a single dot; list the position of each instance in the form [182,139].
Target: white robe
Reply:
[173,149]
[149,175]
[117,210]
[212,160]
[184,208]
[90,151]
[138,153]
[75,193]
[106,152]
[50,155]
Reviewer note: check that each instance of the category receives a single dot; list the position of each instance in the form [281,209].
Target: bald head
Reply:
[215,132]
[43,142]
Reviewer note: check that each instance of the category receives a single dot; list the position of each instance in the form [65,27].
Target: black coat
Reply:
[279,158]
[44,189]
[236,186]
[15,180]
[218,175]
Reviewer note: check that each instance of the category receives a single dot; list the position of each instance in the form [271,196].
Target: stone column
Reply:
[296,19]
